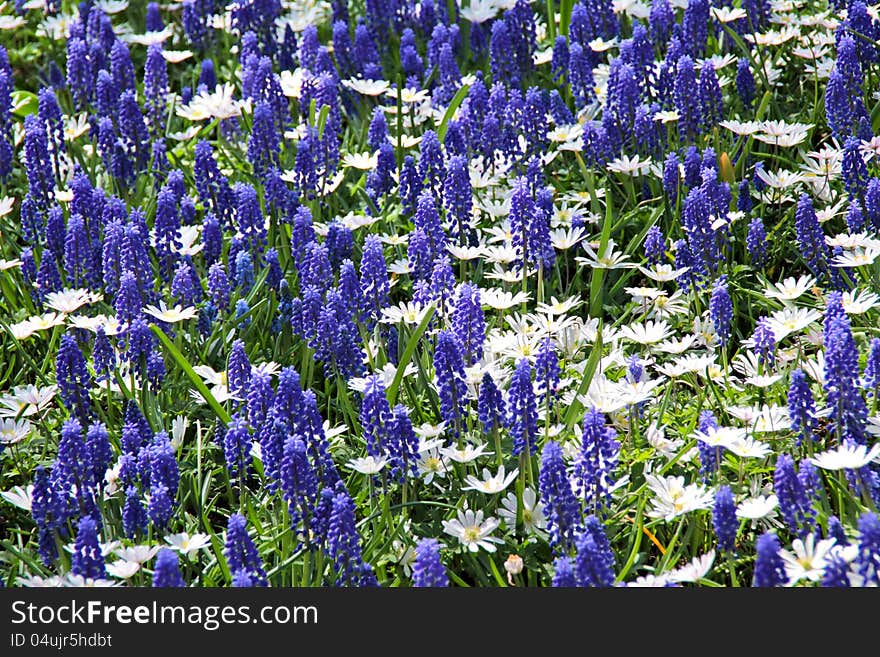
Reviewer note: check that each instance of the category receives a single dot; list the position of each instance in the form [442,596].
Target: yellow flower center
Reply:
[471,534]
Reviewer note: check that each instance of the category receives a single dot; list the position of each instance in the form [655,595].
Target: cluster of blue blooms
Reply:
[243,230]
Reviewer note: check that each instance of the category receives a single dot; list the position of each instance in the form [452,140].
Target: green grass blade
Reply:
[598,277]
[322,120]
[393,389]
[450,111]
[589,372]
[191,373]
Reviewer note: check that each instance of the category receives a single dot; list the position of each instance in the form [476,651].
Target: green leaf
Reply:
[589,371]
[322,120]
[551,21]
[598,277]
[24,103]
[190,372]
[450,111]
[565,7]
[391,393]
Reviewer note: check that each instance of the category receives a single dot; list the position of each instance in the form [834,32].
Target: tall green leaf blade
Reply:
[191,373]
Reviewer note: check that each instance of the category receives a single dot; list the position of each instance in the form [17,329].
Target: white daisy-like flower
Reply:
[11,22]
[464,252]
[31,325]
[480,11]
[407,312]
[111,325]
[607,259]
[367,87]
[170,315]
[432,464]
[470,528]
[217,381]
[747,447]
[846,456]
[292,81]
[112,6]
[741,128]
[858,257]
[218,104]
[790,289]
[22,330]
[14,431]
[559,307]
[67,301]
[122,569]
[490,483]
[853,241]
[532,511]
[176,56]
[19,497]
[673,498]
[388,372]
[649,332]
[675,345]
[566,238]
[857,302]
[75,126]
[354,221]
[137,553]
[791,320]
[649,580]
[781,179]
[688,364]
[719,436]
[566,133]
[361,161]
[756,508]
[693,571]
[762,419]
[27,400]
[630,166]
[466,453]
[368,465]
[807,559]
[666,116]
[774,37]
[601,45]
[149,38]
[35,581]
[502,299]
[409,95]
[728,14]
[663,273]
[642,294]
[657,439]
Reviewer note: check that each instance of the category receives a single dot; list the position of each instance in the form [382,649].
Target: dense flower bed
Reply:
[496,293]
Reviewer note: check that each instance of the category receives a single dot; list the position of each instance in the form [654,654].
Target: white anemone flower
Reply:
[790,289]
[369,465]
[367,87]
[755,508]
[806,559]
[465,454]
[673,498]
[473,531]
[14,431]
[846,456]
[490,483]
[532,510]
[170,315]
